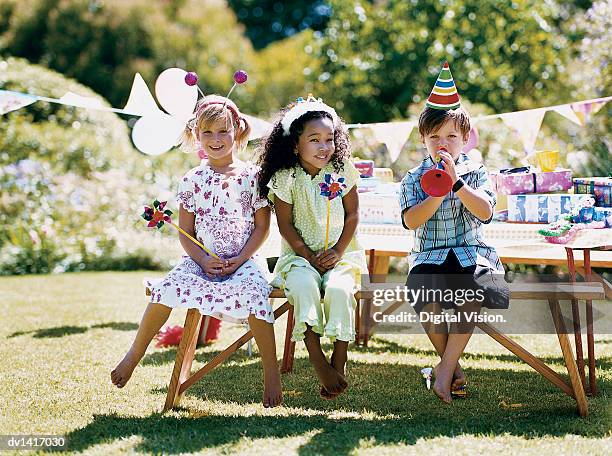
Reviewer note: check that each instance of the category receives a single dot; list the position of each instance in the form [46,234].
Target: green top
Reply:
[295,186]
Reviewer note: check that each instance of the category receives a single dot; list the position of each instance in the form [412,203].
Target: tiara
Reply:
[302,107]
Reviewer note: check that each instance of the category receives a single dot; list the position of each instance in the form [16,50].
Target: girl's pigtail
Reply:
[243,130]
[187,140]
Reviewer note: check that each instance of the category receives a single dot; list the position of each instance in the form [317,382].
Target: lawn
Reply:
[63,335]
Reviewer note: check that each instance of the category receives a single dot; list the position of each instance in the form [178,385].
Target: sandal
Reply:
[427,373]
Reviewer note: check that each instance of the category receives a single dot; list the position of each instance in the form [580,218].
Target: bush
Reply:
[72,187]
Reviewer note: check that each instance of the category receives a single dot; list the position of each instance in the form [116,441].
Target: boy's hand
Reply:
[449,165]
[211,265]
[327,259]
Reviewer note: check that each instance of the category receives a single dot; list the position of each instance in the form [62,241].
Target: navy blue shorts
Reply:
[452,285]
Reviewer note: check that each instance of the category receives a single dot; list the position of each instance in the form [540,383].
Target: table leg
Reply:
[568,356]
[378,266]
[589,318]
[571,266]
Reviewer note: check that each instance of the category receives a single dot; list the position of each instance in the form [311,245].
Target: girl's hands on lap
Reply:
[313,259]
[230,265]
[327,259]
[211,265]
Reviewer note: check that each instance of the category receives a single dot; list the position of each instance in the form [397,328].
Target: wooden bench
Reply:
[182,379]
[551,292]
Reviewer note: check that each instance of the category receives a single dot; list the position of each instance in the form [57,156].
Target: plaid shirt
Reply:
[452,226]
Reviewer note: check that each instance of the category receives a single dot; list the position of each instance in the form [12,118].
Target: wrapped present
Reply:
[538,208]
[376,208]
[599,187]
[384,174]
[365,167]
[523,180]
[367,184]
[603,214]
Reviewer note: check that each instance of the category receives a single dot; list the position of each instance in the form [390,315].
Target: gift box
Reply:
[384,174]
[518,181]
[599,187]
[365,167]
[539,208]
[368,184]
[603,214]
[375,208]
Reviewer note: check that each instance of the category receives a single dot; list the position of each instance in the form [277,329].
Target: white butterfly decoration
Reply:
[157,131]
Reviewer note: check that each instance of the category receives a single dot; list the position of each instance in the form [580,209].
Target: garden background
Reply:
[72,185]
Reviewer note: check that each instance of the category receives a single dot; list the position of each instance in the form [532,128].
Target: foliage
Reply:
[102,44]
[268,21]
[378,58]
[592,77]
[71,185]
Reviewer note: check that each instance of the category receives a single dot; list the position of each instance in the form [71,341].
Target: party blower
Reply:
[436,181]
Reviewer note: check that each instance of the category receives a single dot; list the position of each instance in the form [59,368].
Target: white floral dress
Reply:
[224,209]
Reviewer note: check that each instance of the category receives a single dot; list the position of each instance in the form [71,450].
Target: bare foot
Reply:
[339,364]
[273,390]
[442,385]
[333,383]
[122,373]
[458,378]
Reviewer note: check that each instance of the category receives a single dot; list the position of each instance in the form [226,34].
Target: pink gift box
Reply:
[365,167]
[531,182]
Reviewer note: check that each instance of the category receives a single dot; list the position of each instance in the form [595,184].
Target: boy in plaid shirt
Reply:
[449,251]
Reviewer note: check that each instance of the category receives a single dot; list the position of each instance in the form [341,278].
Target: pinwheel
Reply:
[157,216]
[331,187]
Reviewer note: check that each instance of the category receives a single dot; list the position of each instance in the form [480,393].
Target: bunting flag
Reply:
[526,124]
[140,101]
[567,112]
[394,135]
[11,101]
[584,110]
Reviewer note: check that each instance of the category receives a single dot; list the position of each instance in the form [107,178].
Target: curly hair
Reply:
[276,150]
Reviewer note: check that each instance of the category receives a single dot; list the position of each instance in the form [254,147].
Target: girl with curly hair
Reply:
[308,142]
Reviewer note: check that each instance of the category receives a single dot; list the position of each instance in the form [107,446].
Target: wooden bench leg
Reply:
[527,357]
[289,350]
[187,381]
[184,358]
[568,355]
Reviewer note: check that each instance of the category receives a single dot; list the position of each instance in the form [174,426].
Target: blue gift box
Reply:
[599,187]
[541,208]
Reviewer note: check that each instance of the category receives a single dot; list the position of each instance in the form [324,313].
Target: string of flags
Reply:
[526,123]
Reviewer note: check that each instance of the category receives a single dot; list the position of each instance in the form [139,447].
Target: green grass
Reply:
[63,334]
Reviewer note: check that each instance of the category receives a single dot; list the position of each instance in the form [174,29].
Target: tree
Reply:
[71,185]
[103,44]
[268,21]
[377,58]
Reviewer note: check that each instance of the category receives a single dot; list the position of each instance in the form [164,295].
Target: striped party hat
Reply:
[444,95]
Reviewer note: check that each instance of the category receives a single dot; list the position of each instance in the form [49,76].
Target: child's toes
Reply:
[326,394]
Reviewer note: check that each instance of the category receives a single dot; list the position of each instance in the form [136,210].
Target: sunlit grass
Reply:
[63,334]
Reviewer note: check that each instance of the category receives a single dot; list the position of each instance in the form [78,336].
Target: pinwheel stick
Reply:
[327,226]
[194,240]
[157,215]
